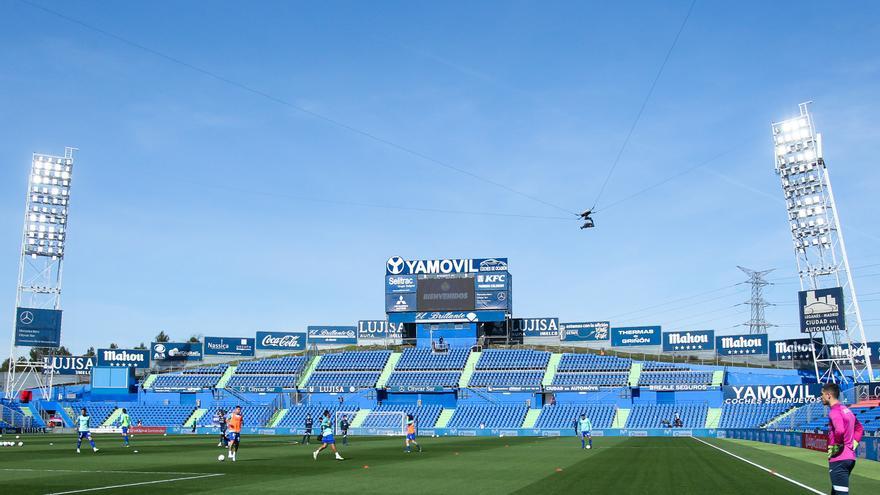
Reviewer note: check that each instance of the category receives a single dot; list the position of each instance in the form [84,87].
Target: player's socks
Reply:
[419,447]
[583,444]
[591,443]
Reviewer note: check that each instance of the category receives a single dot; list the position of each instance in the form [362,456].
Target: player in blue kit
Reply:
[84,429]
[585,427]
[327,437]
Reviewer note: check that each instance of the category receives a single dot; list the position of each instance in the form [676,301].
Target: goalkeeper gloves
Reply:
[834,450]
[855,445]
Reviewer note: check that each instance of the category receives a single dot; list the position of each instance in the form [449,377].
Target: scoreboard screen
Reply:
[446,293]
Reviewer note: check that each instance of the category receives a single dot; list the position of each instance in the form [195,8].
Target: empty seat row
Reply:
[288,365]
[506,379]
[593,362]
[658,415]
[613,379]
[273,381]
[519,359]
[354,361]
[218,369]
[394,415]
[350,379]
[564,416]
[426,359]
[676,378]
[445,379]
[488,416]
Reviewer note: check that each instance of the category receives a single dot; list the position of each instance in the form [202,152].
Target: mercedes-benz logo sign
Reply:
[26,317]
[395,265]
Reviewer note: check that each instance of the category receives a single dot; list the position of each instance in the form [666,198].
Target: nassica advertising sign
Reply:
[229,346]
[37,327]
[69,365]
[635,336]
[319,334]
[537,327]
[741,345]
[379,330]
[689,341]
[399,266]
[125,358]
[176,351]
[281,341]
[773,394]
[822,310]
[585,331]
[794,349]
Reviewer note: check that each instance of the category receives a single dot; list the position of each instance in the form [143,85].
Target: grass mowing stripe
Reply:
[40,470]
[128,485]
[774,473]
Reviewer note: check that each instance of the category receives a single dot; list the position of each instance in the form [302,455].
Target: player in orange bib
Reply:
[411,434]
[234,434]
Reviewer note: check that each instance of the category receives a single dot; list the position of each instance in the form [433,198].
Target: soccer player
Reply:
[844,434]
[84,430]
[125,423]
[343,425]
[327,437]
[586,430]
[234,435]
[307,436]
[221,420]
[411,434]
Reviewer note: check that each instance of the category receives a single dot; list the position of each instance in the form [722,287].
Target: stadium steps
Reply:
[113,417]
[148,383]
[308,372]
[360,417]
[620,418]
[389,368]
[195,416]
[277,416]
[552,365]
[713,417]
[718,378]
[469,369]
[634,374]
[445,416]
[531,418]
[226,377]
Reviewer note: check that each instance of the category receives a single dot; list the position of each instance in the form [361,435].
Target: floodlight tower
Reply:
[41,260]
[819,247]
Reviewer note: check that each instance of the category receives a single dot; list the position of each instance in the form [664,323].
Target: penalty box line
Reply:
[42,470]
[774,473]
[127,485]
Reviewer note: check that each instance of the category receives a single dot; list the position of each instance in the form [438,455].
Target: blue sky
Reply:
[201,208]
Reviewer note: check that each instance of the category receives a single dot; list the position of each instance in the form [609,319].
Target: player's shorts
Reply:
[125,430]
[410,436]
[233,436]
[840,471]
[586,433]
[328,439]
[85,434]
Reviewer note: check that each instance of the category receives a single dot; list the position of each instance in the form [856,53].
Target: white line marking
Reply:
[135,484]
[87,471]
[774,473]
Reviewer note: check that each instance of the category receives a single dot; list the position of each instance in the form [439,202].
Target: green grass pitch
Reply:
[458,465]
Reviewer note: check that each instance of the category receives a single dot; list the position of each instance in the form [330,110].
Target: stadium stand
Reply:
[750,415]
[654,415]
[648,378]
[563,416]
[424,379]
[592,362]
[510,368]
[488,416]
[159,414]
[289,365]
[425,416]
[252,415]
[206,370]
[426,360]
[98,411]
[600,379]
[353,369]
[183,382]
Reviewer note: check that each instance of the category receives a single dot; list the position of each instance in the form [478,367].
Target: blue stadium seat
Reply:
[749,415]
[653,415]
[425,416]
[563,416]
[488,416]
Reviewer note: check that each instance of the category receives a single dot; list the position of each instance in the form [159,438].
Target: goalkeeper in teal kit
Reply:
[585,429]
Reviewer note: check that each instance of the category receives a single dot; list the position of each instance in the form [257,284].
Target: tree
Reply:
[113,345]
[90,352]
[162,337]
[141,346]
[194,339]
[38,353]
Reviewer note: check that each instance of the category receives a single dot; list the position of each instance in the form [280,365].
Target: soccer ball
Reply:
[589,447]
[221,458]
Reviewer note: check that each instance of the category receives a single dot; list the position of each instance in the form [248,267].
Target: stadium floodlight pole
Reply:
[41,260]
[820,250]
